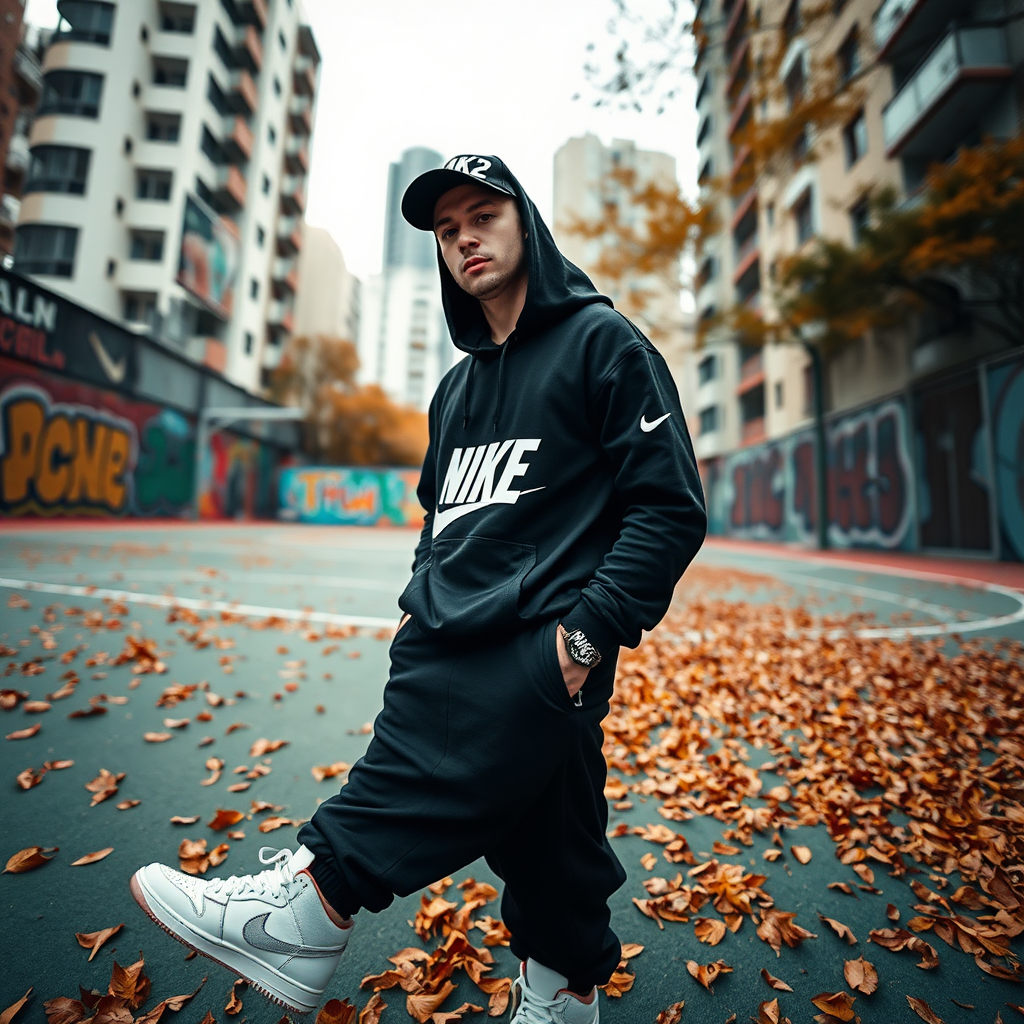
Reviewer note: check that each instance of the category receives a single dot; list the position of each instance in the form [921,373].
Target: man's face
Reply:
[481,239]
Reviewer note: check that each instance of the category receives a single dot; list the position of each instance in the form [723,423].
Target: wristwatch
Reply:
[579,648]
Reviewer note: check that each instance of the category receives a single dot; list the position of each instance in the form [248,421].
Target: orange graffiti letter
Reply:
[53,473]
[115,468]
[88,465]
[24,423]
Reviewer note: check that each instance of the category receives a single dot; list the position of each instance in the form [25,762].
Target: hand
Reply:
[575,675]
[405,618]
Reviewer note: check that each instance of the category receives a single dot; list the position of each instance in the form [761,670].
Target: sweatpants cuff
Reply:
[329,879]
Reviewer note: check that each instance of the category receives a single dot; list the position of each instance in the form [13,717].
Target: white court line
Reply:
[939,611]
[194,576]
[906,632]
[163,601]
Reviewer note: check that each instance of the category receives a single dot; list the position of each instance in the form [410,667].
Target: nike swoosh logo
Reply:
[255,933]
[647,427]
[114,371]
[442,520]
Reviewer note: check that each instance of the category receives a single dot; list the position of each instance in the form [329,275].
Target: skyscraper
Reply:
[404,344]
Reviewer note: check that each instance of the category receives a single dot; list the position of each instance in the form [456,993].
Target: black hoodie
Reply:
[560,481]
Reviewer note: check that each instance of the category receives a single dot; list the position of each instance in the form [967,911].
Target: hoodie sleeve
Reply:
[426,494]
[643,432]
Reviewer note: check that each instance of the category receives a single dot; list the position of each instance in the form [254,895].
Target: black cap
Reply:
[423,193]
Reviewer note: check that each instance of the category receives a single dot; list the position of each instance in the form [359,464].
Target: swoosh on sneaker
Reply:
[648,425]
[255,933]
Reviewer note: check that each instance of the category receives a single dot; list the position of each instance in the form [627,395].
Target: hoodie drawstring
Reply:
[467,398]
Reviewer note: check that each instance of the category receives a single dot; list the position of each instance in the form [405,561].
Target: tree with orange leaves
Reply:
[347,423]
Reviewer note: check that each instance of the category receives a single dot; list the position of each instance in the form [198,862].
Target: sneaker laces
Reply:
[273,881]
[533,1008]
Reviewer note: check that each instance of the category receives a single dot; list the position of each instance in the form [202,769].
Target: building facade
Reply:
[168,167]
[404,345]
[911,410]
[329,297]
[590,179]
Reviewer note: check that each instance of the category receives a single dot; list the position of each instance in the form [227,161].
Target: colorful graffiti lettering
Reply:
[768,492]
[1006,391]
[352,497]
[63,457]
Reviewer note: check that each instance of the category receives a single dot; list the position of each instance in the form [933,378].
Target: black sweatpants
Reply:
[480,751]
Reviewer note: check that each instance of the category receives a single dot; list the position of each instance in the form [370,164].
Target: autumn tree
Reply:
[346,423]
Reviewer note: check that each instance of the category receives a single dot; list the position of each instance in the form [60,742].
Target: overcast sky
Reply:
[459,76]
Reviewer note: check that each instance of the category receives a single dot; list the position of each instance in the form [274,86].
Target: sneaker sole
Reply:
[231,959]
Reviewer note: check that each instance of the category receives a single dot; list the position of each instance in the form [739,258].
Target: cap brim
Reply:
[423,193]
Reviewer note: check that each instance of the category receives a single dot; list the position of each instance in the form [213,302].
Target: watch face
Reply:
[581,650]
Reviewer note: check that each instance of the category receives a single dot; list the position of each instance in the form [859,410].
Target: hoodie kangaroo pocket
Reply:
[470,585]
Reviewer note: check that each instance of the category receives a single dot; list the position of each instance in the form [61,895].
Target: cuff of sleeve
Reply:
[595,628]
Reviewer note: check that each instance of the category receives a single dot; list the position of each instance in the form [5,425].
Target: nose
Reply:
[467,240]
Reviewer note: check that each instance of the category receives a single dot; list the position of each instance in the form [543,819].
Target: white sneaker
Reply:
[539,997]
[270,928]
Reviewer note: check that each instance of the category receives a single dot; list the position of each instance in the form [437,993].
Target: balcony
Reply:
[741,156]
[231,188]
[293,195]
[737,17]
[751,373]
[289,236]
[963,72]
[236,139]
[736,65]
[27,68]
[753,431]
[304,74]
[242,93]
[748,252]
[912,23]
[254,11]
[739,112]
[247,48]
[285,277]
[18,154]
[742,205]
[296,155]
[300,115]
[281,317]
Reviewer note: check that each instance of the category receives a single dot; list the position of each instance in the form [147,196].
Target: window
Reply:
[211,147]
[153,185]
[147,245]
[58,169]
[266,185]
[85,21]
[45,249]
[804,217]
[706,171]
[769,215]
[707,369]
[709,419]
[71,92]
[796,84]
[216,96]
[282,42]
[111,268]
[849,57]
[705,128]
[778,394]
[162,127]
[860,218]
[177,18]
[138,307]
[277,86]
[261,236]
[254,288]
[855,139]
[271,134]
[249,340]
[170,71]
[792,22]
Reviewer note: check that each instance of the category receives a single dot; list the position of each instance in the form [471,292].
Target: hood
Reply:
[556,288]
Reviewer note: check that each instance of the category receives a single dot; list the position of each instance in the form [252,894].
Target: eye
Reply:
[485,217]
[447,233]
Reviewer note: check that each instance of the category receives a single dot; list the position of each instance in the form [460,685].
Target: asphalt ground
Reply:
[299,584]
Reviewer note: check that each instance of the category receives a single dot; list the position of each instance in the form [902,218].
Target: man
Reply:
[563,506]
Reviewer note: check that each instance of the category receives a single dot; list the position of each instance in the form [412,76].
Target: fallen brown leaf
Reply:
[842,930]
[224,818]
[156,737]
[420,1006]
[24,734]
[778,926]
[92,858]
[672,1014]
[707,973]
[776,983]
[12,1011]
[94,940]
[861,976]
[838,1004]
[234,1003]
[924,1011]
[29,858]
[802,853]
[710,930]
[371,1012]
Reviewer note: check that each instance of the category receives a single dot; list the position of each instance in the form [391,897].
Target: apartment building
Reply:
[168,167]
[21,82]
[328,299]
[928,85]
[404,345]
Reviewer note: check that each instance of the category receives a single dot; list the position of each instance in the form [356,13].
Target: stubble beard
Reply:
[492,284]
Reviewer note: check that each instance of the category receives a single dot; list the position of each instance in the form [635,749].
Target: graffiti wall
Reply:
[1006,404]
[71,449]
[767,491]
[351,496]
